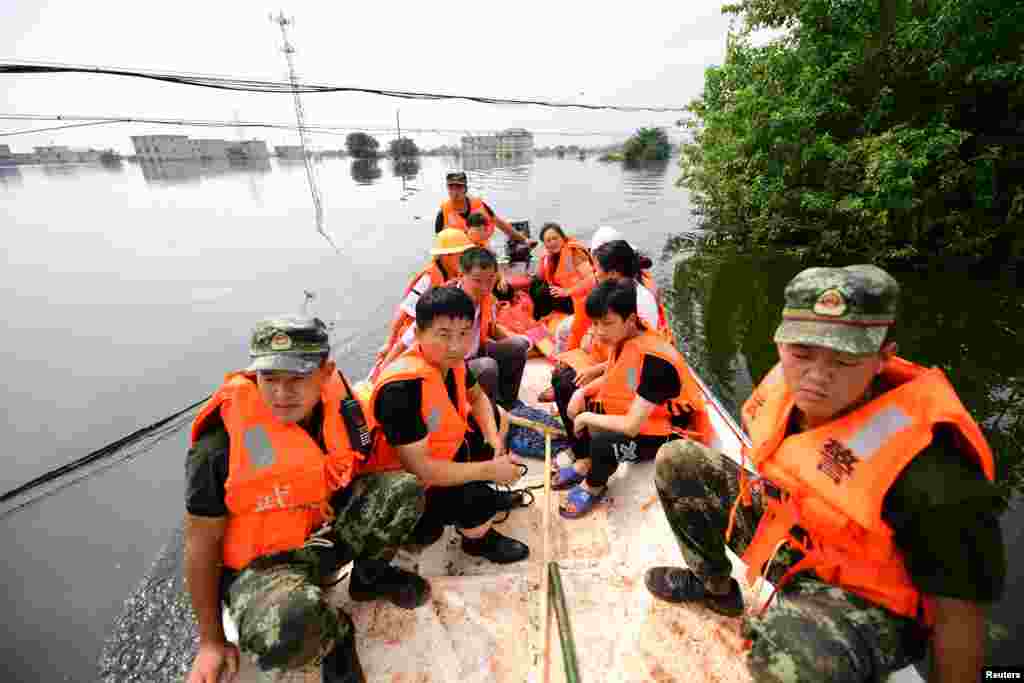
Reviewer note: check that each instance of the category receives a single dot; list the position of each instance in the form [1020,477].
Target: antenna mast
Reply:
[300,119]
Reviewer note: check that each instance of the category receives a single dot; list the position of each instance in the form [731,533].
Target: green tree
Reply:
[361,146]
[647,144]
[403,148]
[888,128]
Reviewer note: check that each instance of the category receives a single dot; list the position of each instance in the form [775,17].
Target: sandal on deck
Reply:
[565,478]
[579,502]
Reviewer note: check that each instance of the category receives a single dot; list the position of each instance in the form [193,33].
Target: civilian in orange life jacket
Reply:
[875,515]
[565,274]
[433,419]
[496,355]
[645,399]
[276,504]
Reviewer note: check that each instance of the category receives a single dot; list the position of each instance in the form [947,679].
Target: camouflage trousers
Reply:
[284,620]
[813,631]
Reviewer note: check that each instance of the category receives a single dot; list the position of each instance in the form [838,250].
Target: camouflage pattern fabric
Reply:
[846,309]
[813,631]
[283,619]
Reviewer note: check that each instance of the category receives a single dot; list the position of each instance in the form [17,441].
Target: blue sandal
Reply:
[565,478]
[579,502]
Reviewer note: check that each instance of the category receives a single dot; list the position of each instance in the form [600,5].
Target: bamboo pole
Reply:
[545,578]
[572,673]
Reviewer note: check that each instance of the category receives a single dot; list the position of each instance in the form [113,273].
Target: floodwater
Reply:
[129,290]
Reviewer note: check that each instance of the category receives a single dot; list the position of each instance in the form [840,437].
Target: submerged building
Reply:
[512,142]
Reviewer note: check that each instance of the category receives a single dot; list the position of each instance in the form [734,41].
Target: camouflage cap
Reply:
[846,309]
[288,343]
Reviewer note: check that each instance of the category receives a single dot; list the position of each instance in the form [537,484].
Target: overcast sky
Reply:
[637,53]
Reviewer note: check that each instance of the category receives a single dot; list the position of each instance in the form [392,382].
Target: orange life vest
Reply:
[402,319]
[582,322]
[487,307]
[566,274]
[623,377]
[446,422]
[279,480]
[833,480]
[453,218]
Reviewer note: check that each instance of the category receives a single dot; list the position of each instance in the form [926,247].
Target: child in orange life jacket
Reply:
[646,398]
[422,405]
[875,513]
[565,274]
[272,503]
[448,246]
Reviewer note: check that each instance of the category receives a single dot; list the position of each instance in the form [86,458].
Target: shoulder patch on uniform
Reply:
[257,444]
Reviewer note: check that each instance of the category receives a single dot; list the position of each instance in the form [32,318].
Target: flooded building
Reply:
[163,147]
[209,148]
[249,149]
[512,142]
[288,151]
[55,154]
[6,158]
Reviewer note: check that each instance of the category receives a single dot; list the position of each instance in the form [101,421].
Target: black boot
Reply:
[376,579]
[342,664]
[496,548]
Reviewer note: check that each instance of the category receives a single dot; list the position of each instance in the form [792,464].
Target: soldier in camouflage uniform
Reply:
[942,510]
[277,600]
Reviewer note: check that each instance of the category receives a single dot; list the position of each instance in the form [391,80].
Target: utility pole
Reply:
[283,22]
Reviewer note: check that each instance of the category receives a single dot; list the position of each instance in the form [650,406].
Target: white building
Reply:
[249,149]
[209,148]
[55,154]
[512,142]
[163,147]
[288,151]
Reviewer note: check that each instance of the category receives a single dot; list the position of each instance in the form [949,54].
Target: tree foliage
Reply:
[361,146]
[887,128]
[647,144]
[403,148]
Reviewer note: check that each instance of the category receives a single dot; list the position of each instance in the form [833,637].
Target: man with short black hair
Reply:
[496,355]
[875,513]
[274,510]
[424,406]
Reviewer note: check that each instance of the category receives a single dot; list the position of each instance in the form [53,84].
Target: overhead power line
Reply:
[70,125]
[309,128]
[284,87]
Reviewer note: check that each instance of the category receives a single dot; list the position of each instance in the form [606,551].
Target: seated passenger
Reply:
[423,406]
[444,266]
[564,277]
[497,356]
[646,398]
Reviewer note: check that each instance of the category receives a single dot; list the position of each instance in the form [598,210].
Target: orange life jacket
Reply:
[487,306]
[684,414]
[279,480]
[833,480]
[402,320]
[566,274]
[582,322]
[446,423]
[453,218]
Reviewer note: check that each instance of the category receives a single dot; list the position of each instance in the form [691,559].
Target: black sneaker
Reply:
[676,585]
[342,664]
[375,580]
[496,548]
